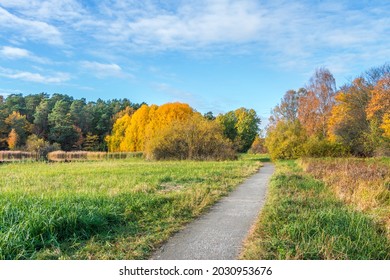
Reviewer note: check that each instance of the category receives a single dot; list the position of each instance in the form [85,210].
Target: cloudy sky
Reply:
[216,55]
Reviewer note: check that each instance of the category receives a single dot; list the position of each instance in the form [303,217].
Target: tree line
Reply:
[321,120]
[41,121]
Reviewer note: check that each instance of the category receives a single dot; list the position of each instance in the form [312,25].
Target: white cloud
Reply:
[29,29]
[14,53]
[66,10]
[102,70]
[286,33]
[18,53]
[293,31]
[191,25]
[58,77]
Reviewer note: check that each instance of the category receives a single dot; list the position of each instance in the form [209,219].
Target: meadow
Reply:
[110,209]
[305,218]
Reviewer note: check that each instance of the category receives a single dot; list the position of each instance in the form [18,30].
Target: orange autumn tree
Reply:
[378,108]
[12,140]
[20,124]
[315,104]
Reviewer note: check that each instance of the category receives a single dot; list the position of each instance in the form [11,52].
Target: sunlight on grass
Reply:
[118,209]
[303,219]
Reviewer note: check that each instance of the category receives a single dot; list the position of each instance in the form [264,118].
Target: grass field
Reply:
[120,209]
[304,219]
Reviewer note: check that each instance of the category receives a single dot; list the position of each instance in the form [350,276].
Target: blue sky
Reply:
[216,55]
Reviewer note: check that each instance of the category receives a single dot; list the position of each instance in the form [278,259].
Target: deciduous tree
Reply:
[241,127]
[348,123]
[21,126]
[13,140]
[316,103]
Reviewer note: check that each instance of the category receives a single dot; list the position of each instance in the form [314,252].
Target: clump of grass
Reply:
[120,209]
[303,219]
[361,183]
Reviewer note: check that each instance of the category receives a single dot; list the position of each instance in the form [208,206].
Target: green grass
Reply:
[303,219]
[119,209]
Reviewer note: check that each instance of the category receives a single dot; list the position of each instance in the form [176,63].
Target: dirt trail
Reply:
[218,234]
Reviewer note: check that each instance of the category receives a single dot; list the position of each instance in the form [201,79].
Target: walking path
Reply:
[218,234]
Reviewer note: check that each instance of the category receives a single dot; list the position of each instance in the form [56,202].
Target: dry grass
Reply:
[362,183]
[303,219]
[61,156]
[10,156]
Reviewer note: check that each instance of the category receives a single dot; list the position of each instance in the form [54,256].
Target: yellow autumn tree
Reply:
[386,125]
[130,134]
[134,139]
[114,141]
[165,115]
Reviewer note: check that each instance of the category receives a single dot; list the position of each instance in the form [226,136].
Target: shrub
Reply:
[315,147]
[258,146]
[285,140]
[41,147]
[195,138]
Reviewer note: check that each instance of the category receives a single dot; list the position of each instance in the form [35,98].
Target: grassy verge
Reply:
[303,219]
[106,210]
[362,183]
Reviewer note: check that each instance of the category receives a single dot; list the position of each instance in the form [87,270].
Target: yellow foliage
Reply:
[115,140]
[194,138]
[130,134]
[135,132]
[380,100]
[339,114]
[165,115]
[386,125]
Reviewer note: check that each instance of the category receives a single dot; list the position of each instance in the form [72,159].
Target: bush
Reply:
[315,147]
[258,146]
[285,140]
[195,139]
[41,147]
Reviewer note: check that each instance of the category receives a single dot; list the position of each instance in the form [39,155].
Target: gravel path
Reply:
[218,234]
